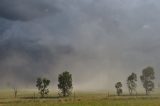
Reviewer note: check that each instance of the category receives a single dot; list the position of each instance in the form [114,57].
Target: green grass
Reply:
[110,102]
[82,99]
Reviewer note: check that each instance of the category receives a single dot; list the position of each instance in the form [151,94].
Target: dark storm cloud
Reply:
[25,9]
[98,38]
[25,59]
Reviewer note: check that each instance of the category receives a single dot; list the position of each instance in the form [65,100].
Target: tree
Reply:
[118,86]
[131,83]
[65,83]
[15,92]
[42,85]
[14,87]
[147,78]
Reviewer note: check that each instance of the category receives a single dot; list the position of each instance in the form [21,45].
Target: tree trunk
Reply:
[15,93]
[146,92]
[117,92]
[130,92]
[64,93]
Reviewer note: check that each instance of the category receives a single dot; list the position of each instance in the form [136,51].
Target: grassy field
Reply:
[81,99]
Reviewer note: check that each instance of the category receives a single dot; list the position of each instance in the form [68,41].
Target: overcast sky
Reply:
[99,41]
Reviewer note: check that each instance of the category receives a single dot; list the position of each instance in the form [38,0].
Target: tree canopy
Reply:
[42,84]
[147,78]
[131,83]
[118,86]
[65,83]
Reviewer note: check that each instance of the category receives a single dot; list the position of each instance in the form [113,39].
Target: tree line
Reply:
[65,83]
[147,79]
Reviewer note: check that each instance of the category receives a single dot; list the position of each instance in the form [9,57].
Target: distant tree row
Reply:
[64,84]
[147,79]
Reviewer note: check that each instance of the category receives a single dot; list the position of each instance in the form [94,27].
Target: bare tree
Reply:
[15,92]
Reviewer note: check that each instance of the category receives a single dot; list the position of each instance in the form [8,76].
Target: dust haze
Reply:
[99,41]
